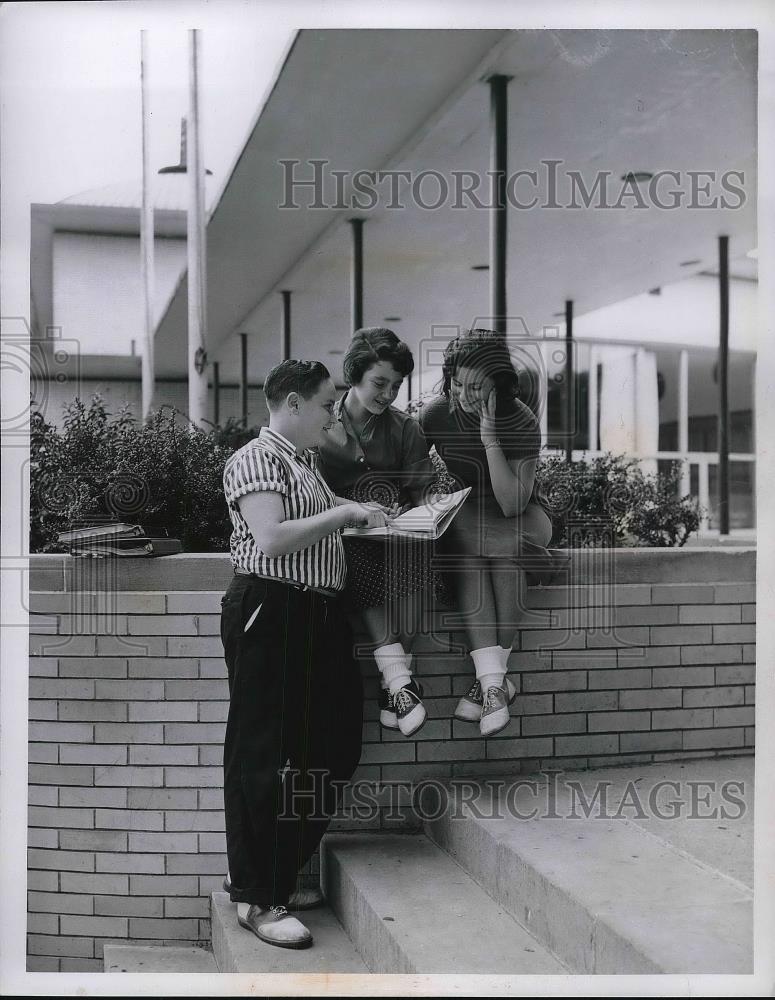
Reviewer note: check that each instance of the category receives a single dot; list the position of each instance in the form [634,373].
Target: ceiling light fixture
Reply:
[637,176]
[480,267]
[392,319]
[690,263]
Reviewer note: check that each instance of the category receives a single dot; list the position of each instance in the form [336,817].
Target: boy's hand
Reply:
[360,515]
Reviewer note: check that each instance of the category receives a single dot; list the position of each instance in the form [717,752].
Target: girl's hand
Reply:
[487,430]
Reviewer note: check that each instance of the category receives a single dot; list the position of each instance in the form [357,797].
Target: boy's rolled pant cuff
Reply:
[262,896]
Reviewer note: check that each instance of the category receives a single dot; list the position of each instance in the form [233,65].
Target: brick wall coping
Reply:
[212,571]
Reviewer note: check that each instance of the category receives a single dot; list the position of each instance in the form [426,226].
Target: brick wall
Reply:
[646,656]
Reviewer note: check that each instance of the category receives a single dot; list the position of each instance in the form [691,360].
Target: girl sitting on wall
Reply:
[490,441]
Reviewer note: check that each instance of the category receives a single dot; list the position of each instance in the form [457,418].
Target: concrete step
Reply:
[606,895]
[238,950]
[152,958]
[409,908]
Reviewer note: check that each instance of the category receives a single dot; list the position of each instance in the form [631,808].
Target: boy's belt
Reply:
[288,583]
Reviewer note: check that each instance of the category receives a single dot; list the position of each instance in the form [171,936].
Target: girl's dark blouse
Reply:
[388,461]
[456,436]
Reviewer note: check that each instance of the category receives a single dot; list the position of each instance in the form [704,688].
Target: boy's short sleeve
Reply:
[253,470]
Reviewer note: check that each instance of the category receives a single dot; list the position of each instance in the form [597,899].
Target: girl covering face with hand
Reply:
[490,441]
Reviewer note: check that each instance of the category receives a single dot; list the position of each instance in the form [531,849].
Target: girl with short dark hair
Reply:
[375,453]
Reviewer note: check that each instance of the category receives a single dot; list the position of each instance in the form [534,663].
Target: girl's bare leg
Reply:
[534,525]
[509,588]
[399,621]
[509,580]
[475,601]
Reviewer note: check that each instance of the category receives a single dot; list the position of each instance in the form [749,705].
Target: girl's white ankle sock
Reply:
[393,663]
[489,667]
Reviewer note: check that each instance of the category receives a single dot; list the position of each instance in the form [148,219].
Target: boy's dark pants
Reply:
[296,705]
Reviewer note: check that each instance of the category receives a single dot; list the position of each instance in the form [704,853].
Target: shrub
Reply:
[611,501]
[101,468]
[169,476]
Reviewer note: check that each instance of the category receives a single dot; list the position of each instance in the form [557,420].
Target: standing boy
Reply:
[295,713]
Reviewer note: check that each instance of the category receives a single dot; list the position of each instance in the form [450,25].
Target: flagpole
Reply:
[197,281]
[147,237]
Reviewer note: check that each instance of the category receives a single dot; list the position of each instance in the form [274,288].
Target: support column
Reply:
[197,276]
[243,378]
[569,393]
[723,385]
[499,133]
[543,416]
[592,400]
[683,420]
[286,334]
[147,238]
[216,393]
[356,280]
[646,410]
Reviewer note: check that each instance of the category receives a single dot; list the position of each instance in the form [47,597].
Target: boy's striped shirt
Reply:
[270,462]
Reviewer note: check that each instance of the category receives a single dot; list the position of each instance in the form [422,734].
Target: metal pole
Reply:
[216,392]
[636,402]
[592,400]
[683,420]
[498,217]
[146,236]
[243,378]
[356,286]
[197,278]
[543,348]
[723,385]
[286,341]
[569,394]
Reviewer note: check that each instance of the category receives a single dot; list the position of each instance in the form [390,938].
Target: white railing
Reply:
[703,460]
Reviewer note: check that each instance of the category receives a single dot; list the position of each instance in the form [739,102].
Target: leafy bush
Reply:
[101,468]
[168,476]
[611,501]
[442,482]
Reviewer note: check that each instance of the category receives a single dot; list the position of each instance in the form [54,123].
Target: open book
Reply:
[429,520]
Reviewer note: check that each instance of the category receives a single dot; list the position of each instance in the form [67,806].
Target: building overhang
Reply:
[595,101]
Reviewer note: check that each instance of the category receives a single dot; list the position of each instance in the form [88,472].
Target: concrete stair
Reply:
[409,908]
[515,878]
[237,950]
[152,958]
[604,895]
